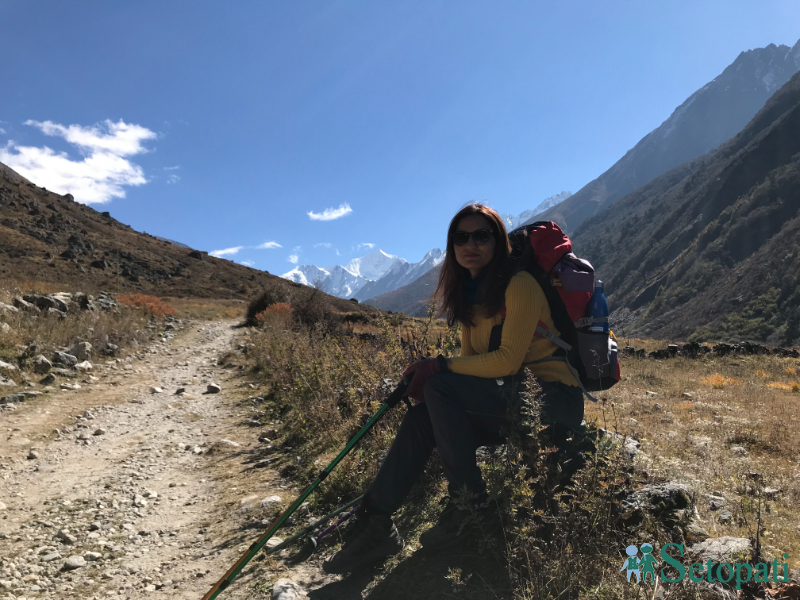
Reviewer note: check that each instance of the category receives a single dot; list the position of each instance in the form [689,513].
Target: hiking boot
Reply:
[372,539]
[457,525]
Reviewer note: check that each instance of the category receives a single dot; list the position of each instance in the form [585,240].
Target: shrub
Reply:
[718,382]
[149,304]
[269,296]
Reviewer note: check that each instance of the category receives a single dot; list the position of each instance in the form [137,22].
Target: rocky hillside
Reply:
[711,249]
[709,117]
[413,298]
[51,239]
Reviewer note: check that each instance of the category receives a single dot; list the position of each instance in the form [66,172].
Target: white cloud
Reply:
[323,245]
[171,168]
[293,258]
[172,178]
[2,131]
[246,263]
[226,251]
[268,246]
[362,245]
[329,214]
[102,173]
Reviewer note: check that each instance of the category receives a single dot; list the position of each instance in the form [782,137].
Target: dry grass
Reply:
[735,401]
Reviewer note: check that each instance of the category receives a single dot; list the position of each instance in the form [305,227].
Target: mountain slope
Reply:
[49,239]
[413,298]
[401,273]
[709,117]
[711,248]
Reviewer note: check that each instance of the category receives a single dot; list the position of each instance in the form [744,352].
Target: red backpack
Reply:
[544,251]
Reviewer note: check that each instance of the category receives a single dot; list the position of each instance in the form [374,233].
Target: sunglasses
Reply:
[481,236]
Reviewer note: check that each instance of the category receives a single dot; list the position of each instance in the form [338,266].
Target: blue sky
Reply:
[232,124]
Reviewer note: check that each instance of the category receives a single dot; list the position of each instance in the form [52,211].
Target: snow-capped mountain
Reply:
[400,274]
[346,282]
[513,222]
[374,265]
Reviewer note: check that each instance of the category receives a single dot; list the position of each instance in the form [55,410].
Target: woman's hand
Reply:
[422,370]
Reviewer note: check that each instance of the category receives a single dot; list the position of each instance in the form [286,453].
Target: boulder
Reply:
[213,388]
[82,351]
[41,365]
[630,444]
[64,358]
[724,549]
[286,589]
[74,562]
[7,367]
[84,367]
[663,501]
[7,308]
[47,379]
[22,304]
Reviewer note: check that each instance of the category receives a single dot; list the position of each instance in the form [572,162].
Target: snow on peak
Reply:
[513,222]
[373,265]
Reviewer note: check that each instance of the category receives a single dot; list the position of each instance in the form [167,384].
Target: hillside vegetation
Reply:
[711,249]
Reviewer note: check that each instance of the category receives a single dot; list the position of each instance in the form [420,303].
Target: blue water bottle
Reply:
[598,309]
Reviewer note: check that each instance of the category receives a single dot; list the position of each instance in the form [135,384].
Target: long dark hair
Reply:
[491,297]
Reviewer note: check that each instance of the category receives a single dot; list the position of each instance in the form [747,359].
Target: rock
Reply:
[687,395]
[721,549]
[213,388]
[82,351]
[630,444]
[13,398]
[7,367]
[197,450]
[48,379]
[725,517]
[139,501]
[3,506]
[771,493]
[657,406]
[180,391]
[694,533]
[54,312]
[63,372]
[63,358]
[268,435]
[84,367]
[74,562]
[7,382]
[5,327]
[99,431]
[661,500]
[7,308]
[33,454]
[21,304]
[41,365]
[92,556]
[51,557]
[652,394]
[66,537]
[738,450]
[156,390]
[70,386]
[270,500]
[286,589]
[230,443]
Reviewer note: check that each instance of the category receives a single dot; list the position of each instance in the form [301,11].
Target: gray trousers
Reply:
[460,413]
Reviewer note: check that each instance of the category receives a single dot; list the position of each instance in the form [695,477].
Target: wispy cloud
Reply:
[268,246]
[329,214]
[2,131]
[102,173]
[226,251]
[294,257]
[247,263]
[362,245]
[172,177]
[323,245]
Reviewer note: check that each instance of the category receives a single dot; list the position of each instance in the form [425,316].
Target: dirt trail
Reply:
[154,491]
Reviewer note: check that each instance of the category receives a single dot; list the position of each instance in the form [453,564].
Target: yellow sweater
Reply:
[526,305]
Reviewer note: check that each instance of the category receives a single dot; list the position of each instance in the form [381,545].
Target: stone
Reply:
[7,308]
[82,351]
[74,562]
[66,537]
[139,501]
[3,506]
[629,444]
[723,549]
[771,493]
[156,390]
[84,367]
[51,557]
[48,379]
[33,454]
[5,327]
[694,533]
[657,406]
[725,517]
[268,435]
[41,365]
[180,391]
[213,388]
[270,500]
[63,358]
[688,395]
[286,589]
[651,394]
[99,431]
[92,556]
[230,443]
[738,450]
[70,386]
[660,500]
[197,450]
[7,367]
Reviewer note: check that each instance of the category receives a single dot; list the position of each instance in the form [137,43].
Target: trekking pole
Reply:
[308,529]
[390,402]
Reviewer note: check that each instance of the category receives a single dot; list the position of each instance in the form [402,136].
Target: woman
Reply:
[463,401]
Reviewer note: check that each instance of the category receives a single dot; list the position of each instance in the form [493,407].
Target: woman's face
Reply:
[471,256]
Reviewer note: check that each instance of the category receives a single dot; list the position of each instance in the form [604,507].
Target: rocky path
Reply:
[118,489]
